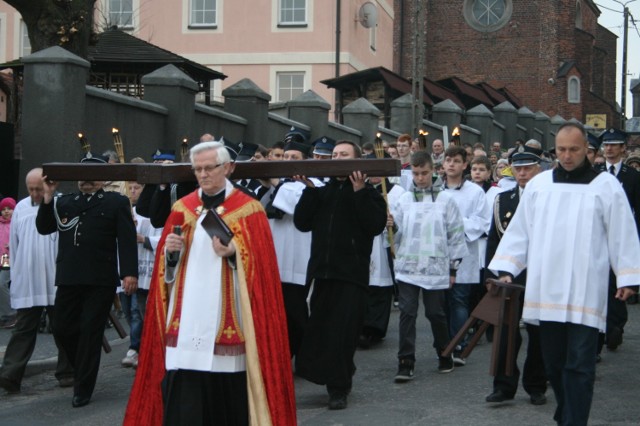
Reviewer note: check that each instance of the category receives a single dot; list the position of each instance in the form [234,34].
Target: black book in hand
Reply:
[215,226]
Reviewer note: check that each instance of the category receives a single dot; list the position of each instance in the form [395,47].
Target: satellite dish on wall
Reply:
[368,15]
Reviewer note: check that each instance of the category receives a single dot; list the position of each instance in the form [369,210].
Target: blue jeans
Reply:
[133,307]
[458,302]
[569,353]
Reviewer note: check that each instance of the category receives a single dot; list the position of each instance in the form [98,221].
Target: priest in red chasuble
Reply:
[215,346]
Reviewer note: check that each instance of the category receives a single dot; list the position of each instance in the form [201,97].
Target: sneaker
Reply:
[458,360]
[405,371]
[131,359]
[445,364]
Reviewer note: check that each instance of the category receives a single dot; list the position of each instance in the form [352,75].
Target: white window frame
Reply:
[293,23]
[131,25]
[213,24]
[291,88]
[187,28]
[573,83]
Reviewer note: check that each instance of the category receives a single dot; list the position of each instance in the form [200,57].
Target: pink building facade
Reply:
[286,47]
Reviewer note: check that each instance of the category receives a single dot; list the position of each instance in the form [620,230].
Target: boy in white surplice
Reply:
[430,243]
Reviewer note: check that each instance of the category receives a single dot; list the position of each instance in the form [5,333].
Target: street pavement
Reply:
[456,398]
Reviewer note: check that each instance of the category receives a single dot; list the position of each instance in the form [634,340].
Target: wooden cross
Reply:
[173,173]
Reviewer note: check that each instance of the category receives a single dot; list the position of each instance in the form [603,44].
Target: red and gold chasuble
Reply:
[264,333]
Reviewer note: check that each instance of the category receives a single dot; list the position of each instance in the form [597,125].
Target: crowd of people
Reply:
[230,287]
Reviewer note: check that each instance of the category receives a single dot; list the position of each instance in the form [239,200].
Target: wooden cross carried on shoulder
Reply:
[181,172]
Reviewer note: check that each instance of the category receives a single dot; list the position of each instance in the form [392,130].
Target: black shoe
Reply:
[445,364]
[9,386]
[405,371]
[337,400]
[65,382]
[80,401]
[364,341]
[498,396]
[538,398]
[614,338]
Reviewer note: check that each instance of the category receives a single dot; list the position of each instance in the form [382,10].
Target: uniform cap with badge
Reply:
[164,155]
[96,159]
[296,134]
[323,146]
[247,151]
[613,136]
[525,156]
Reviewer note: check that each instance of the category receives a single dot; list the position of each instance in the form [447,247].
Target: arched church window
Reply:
[573,90]
[578,15]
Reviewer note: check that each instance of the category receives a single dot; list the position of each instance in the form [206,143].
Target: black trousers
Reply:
[203,398]
[23,342]
[617,314]
[81,315]
[331,336]
[295,306]
[378,311]
[534,379]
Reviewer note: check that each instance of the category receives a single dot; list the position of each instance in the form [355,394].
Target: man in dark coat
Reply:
[614,143]
[344,216]
[96,249]
[525,166]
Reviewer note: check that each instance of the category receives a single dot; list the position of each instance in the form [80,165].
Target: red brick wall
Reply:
[523,55]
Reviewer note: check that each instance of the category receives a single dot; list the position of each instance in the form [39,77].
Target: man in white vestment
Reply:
[293,247]
[33,269]
[572,224]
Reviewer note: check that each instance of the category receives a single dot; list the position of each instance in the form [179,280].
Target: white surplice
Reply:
[430,234]
[293,247]
[379,271]
[146,257]
[476,215]
[567,236]
[33,259]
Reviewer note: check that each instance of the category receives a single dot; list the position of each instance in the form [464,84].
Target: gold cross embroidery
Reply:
[229,332]
[175,324]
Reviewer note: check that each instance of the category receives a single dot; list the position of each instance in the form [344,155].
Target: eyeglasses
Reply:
[206,169]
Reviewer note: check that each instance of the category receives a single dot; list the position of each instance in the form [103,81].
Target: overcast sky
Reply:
[613,19]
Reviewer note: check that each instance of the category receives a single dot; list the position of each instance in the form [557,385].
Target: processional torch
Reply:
[379,151]
[84,143]
[455,136]
[184,151]
[117,144]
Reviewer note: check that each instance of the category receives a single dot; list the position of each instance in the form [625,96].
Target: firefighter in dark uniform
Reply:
[525,166]
[96,236]
[613,145]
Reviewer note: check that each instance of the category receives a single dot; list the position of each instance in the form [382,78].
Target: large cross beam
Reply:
[166,173]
